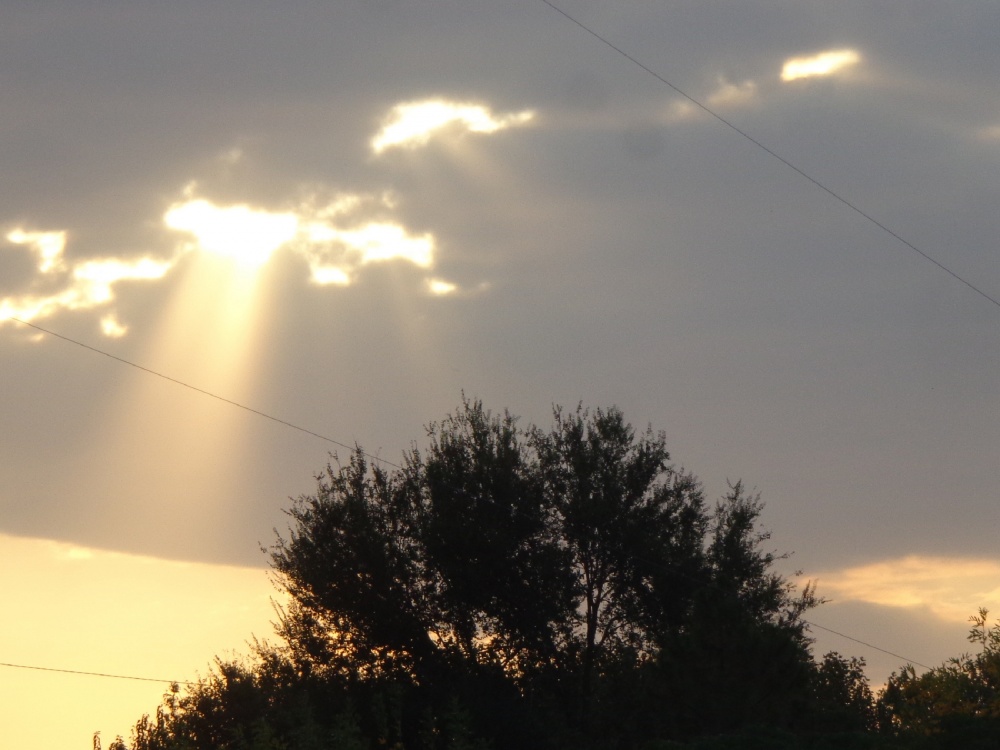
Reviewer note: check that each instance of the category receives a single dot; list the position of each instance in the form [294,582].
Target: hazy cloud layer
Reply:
[346,214]
[337,239]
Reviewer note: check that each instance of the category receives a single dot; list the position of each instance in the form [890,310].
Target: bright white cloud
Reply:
[440,287]
[248,235]
[337,237]
[94,278]
[951,588]
[377,242]
[336,254]
[326,275]
[821,64]
[412,124]
[75,286]
[333,236]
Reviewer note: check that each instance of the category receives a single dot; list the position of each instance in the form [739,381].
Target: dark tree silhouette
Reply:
[511,586]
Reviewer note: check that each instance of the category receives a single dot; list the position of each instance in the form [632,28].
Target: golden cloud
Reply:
[83,285]
[951,588]
[411,124]
[821,64]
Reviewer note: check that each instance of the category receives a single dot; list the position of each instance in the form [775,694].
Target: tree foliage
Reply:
[511,586]
[959,698]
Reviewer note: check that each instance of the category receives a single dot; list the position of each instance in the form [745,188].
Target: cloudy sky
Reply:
[346,214]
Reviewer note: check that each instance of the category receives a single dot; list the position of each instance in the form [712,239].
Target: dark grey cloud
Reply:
[617,250]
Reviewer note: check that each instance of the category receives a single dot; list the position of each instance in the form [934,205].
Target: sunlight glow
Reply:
[380,242]
[337,238]
[248,236]
[412,124]
[328,275]
[95,277]
[951,588]
[55,592]
[83,285]
[336,254]
[732,94]
[822,64]
[112,328]
[49,247]
[441,288]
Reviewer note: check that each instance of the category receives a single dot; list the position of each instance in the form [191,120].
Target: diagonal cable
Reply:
[94,674]
[202,391]
[773,153]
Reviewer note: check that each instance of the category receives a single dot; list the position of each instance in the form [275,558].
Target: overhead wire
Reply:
[863,643]
[204,392]
[729,124]
[94,674]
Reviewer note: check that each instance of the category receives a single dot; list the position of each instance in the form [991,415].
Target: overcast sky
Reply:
[346,214]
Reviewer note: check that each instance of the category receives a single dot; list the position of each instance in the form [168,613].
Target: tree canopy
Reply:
[513,586]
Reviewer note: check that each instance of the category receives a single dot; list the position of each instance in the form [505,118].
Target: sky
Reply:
[346,215]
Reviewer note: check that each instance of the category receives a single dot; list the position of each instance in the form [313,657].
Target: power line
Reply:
[773,153]
[94,674]
[202,391]
[863,643]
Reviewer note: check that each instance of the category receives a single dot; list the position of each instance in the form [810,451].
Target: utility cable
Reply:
[94,674]
[202,391]
[863,643]
[773,153]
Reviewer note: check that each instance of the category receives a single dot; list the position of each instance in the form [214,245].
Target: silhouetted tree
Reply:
[843,696]
[511,586]
[961,698]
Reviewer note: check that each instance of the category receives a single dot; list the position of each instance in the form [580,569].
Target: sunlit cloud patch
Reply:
[47,246]
[335,255]
[732,94]
[821,64]
[112,328]
[335,238]
[247,235]
[380,242]
[338,238]
[951,588]
[440,287]
[726,95]
[412,124]
[82,285]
